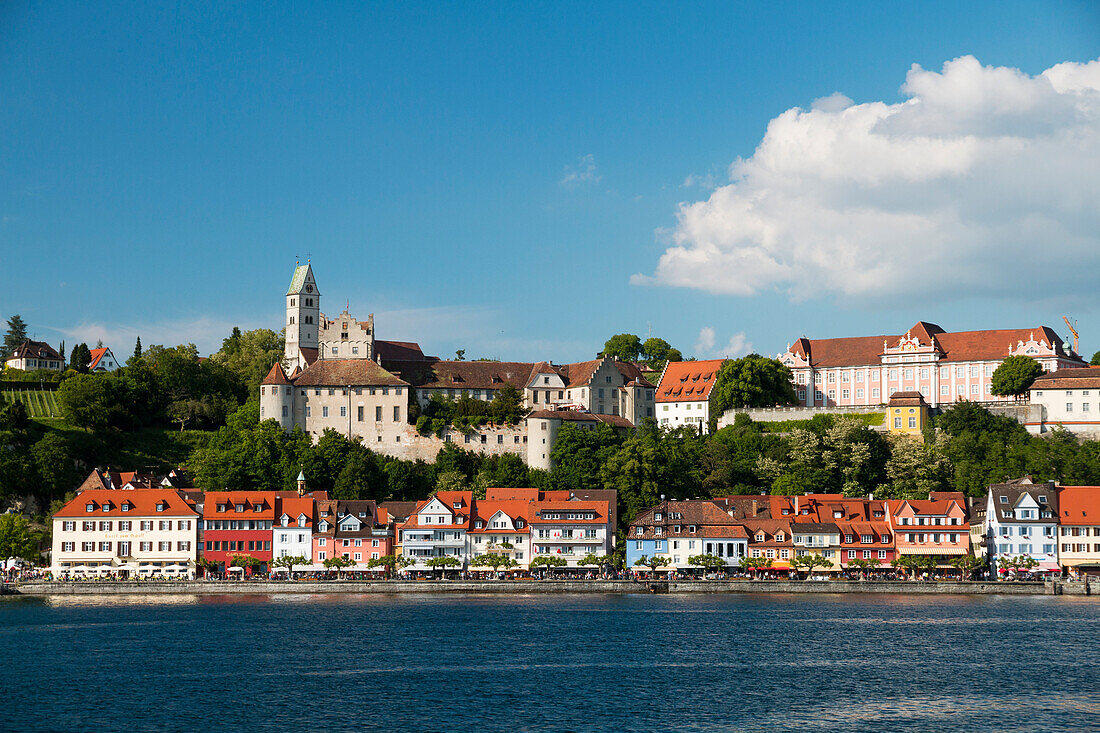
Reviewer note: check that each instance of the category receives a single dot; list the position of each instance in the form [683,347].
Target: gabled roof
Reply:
[688,381]
[346,372]
[302,273]
[34,350]
[98,354]
[139,503]
[1013,493]
[295,507]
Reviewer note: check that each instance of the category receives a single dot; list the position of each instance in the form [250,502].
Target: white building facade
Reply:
[1022,520]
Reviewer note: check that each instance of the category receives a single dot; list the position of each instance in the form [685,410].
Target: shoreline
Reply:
[521,587]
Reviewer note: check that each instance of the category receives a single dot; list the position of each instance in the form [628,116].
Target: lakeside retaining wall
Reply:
[50,588]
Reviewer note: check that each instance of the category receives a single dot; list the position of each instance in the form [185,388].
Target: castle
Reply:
[336,375]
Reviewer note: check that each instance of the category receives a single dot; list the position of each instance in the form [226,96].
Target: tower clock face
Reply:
[309,288]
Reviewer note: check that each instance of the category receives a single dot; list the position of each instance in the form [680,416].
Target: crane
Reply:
[1072,329]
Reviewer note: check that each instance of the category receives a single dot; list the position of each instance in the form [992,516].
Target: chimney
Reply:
[796,503]
[754,507]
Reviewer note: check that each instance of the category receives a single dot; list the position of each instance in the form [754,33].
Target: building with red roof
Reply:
[131,533]
[238,523]
[944,367]
[683,393]
[1079,529]
[102,360]
[438,529]
[292,534]
[938,526]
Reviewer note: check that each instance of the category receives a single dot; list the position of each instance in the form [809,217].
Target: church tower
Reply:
[303,316]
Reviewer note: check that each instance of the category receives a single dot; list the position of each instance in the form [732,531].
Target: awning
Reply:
[1047,567]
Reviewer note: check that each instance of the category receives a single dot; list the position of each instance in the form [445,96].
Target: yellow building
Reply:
[907,413]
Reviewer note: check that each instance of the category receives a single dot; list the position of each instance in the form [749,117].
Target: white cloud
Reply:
[983,179]
[738,345]
[583,172]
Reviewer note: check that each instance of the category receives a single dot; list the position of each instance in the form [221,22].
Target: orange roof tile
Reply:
[697,376]
[137,503]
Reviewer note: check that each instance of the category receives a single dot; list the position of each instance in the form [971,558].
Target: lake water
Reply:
[551,663]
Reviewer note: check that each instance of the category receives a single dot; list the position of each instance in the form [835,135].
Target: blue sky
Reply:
[506,178]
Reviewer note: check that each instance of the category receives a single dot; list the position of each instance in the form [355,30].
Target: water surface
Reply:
[552,663]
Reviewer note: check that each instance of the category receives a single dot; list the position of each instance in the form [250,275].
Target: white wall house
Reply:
[438,529]
[1068,397]
[683,393]
[292,533]
[1022,520]
[571,529]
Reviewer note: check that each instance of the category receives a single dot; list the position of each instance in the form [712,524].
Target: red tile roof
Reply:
[398,351]
[688,381]
[439,374]
[904,399]
[276,375]
[1079,505]
[293,507]
[345,372]
[230,500]
[140,503]
[1079,378]
[97,354]
[988,345]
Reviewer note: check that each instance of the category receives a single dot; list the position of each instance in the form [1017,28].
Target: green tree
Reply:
[16,538]
[548,561]
[707,562]
[754,564]
[388,563]
[249,356]
[362,476]
[623,346]
[592,560]
[442,564]
[289,561]
[657,352]
[14,337]
[578,455]
[967,564]
[752,381]
[1015,375]
[1095,360]
[80,358]
[810,561]
[914,469]
[507,405]
[651,562]
[54,461]
[137,352]
[91,401]
[338,563]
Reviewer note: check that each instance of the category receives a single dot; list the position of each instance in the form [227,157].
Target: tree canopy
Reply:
[752,381]
[14,337]
[1015,375]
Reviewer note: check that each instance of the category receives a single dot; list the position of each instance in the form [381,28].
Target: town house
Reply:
[1079,529]
[130,533]
[238,523]
[936,526]
[438,529]
[1022,521]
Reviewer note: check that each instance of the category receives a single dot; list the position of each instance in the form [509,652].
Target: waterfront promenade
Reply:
[265,587]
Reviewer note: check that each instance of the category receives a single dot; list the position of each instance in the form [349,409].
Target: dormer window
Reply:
[125,506]
[786,512]
[1042,500]
[89,507]
[519,524]
[221,507]
[106,507]
[658,531]
[257,507]
[691,528]
[778,536]
[285,520]
[639,530]
[759,536]
[838,514]
[479,524]
[457,505]
[239,507]
[1004,499]
[301,521]
[362,515]
[323,526]
[160,506]
[657,517]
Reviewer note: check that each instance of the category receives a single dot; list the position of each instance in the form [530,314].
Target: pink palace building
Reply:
[944,367]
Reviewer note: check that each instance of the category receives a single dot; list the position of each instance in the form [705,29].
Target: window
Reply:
[343,411]
[324,411]
[1069,407]
[378,413]
[397,413]
[912,422]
